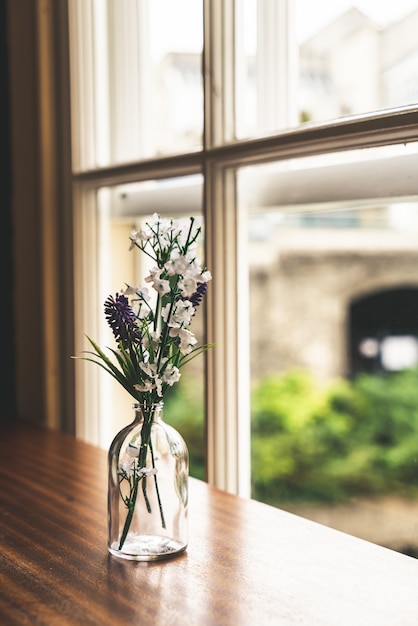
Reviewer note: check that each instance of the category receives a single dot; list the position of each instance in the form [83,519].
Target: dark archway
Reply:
[381,324]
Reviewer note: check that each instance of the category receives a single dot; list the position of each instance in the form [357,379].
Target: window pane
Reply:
[175,102]
[138,88]
[355,57]
[302,61]
[122,209]
[333,283]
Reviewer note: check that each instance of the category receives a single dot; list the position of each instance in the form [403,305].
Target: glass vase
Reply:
[148,488]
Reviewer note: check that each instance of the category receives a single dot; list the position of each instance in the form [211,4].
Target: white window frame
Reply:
[227,401]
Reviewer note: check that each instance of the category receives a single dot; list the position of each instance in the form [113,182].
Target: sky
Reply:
[177,20]
[313,14]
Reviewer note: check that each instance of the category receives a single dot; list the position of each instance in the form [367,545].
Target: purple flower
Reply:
[198,295]
[121,319]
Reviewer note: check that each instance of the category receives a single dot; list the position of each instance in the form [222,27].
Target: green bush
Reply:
[329,443]
[318,443]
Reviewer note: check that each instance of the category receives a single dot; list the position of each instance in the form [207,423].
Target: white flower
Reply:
[132,450]
[143,293]
[159,386]
[150,369]
[171,375]
[187,286]
[183,312]
[155,218]
[182,227]
[205,277]
[162,224]
[154,274]
[165,311]
[194,270]
[138,237]
[147,471]
[181,315]
[147,385]
[187,339]
[158,283]
[154,382]
[162,286]
[126,466]
[139,304]
[164,227]
[178,264]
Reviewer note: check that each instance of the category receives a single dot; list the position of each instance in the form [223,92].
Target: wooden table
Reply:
[247,563]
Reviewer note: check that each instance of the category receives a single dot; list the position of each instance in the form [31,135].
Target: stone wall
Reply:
[301,288]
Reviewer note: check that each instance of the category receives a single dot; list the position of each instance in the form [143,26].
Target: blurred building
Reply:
[354,65]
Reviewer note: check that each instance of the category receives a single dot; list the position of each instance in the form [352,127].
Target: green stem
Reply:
[160,506]
[146,444]
[142,458]
[129,515]
[144,493]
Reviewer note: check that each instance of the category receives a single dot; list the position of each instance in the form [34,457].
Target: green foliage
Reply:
[318,443]
[327,444]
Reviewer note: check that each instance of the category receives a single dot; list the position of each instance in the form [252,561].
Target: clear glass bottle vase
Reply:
[148,488]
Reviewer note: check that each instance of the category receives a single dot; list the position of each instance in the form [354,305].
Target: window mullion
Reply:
[227,460]
[87,378]
[218,62]
[222,408]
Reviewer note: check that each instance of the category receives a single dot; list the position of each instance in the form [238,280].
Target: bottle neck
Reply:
[148,412]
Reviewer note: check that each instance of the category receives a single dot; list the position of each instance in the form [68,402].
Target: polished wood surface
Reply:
[246,564]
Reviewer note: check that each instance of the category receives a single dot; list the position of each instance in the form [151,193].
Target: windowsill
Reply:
[247,562]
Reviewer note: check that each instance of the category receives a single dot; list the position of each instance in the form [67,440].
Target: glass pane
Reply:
[301,61]
[122,209]
[175,98]
[355,57]
[333,284]
[140,88]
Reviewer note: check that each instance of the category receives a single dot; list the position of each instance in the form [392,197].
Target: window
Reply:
[333,309]
[261,117]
